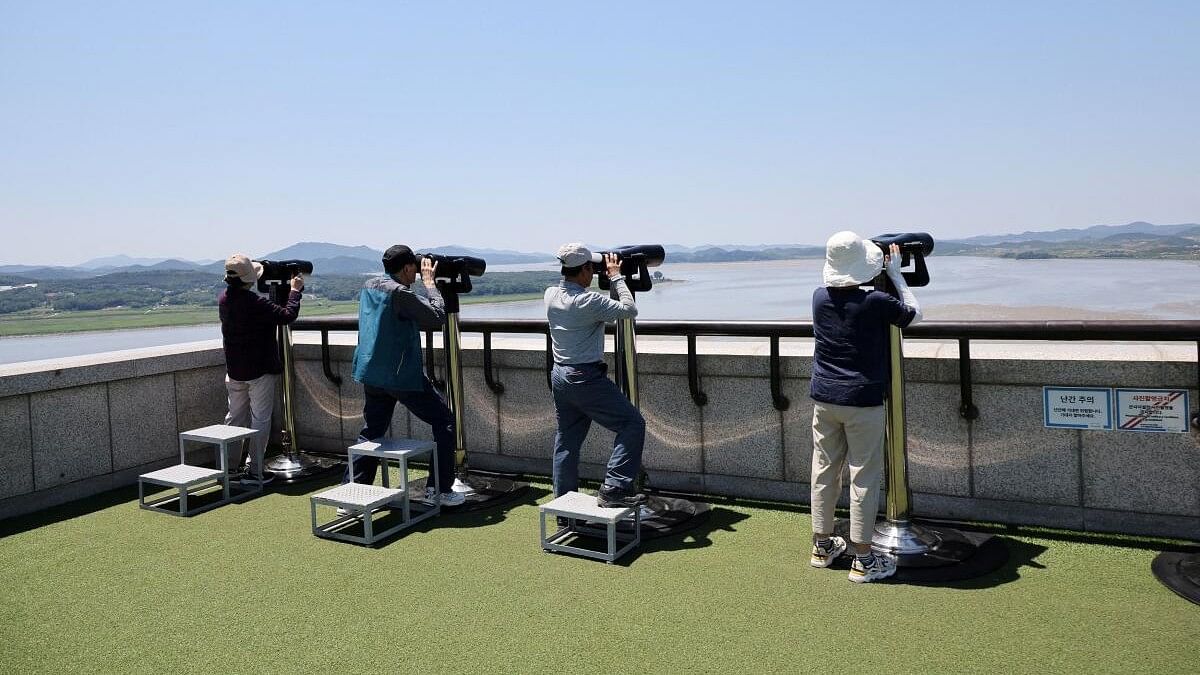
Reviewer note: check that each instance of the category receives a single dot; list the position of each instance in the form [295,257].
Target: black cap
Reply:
[397,257]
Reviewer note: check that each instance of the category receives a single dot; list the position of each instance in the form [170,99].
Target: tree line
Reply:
[199,289]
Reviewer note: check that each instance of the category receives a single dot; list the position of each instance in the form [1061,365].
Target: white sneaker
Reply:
[882,567]
[823,556]
[446,498]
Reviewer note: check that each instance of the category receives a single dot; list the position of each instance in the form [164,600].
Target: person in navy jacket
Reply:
[387,362]
[849,382]
[252,366]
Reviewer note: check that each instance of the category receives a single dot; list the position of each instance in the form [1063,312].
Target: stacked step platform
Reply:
[359,502]
[188,480]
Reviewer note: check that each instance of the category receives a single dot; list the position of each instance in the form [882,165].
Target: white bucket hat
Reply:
[850,261]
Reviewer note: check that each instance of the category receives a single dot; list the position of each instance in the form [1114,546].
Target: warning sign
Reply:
[1153,410]
[1077,408]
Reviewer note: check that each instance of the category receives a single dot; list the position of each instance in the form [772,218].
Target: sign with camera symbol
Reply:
[1077,408]
[1153,410]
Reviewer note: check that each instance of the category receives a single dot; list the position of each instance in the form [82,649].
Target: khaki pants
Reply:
[840,434]
[250,405]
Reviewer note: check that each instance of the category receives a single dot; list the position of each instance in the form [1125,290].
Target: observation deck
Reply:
[727,411]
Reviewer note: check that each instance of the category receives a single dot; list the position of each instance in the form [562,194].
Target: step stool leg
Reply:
[368,533]
[313,508]
[542,524]
[387,479]
[141,493]
[223,463]
[183,493]
[404,505]
[612,541]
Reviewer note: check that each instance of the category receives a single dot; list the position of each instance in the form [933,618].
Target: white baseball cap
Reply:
[851,261]
[574,255]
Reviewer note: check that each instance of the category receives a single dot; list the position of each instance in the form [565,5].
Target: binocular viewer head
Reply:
[455,266]
[278,272]
[914,246]
[635,263]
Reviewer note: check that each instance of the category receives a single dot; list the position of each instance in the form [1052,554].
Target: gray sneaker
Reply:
[823,556]
[880,567]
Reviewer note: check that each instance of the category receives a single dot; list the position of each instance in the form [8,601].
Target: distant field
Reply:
[42,323]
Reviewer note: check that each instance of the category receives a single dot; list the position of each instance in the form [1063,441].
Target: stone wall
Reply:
[94,424]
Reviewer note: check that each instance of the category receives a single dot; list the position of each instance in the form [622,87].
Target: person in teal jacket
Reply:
[387,362]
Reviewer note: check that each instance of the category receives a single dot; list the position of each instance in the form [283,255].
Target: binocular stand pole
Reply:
[480,490]
[292,465]
[661,515]
[912,545]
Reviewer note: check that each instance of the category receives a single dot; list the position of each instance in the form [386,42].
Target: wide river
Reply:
[962,288]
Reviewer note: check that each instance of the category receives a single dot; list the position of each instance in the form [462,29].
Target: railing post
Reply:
[967,407]
[693,364]
[778,400]
[429,368]
[496,387]
[1196,415]
[325,365]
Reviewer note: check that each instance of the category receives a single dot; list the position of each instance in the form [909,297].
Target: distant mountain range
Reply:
[1132,240]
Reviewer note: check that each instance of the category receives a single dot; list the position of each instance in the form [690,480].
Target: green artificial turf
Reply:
[101,586]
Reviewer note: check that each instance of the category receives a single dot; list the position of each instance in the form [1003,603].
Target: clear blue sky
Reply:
[194,129]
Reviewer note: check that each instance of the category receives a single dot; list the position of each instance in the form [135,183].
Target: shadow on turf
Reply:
[458,519]
[718,519]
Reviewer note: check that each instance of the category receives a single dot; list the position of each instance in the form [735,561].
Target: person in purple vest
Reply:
[387,362]
[849,379]
[252,365]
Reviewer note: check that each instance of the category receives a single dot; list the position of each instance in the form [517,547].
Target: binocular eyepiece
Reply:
[454,266]
[452,274]
[635,263]
[914,246]
[277,272]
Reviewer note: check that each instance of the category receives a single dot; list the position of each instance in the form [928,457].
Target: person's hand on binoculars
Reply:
[613,263]
[427,270]
[891,262]
[298,282]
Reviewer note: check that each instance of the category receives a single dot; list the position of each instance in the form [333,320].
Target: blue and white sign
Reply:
[1153,410]
[1078,408]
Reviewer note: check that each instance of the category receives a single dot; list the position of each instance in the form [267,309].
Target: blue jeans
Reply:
[583,393]
[428,406]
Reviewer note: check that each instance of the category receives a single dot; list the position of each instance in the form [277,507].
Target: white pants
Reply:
[250,405]
[842,433]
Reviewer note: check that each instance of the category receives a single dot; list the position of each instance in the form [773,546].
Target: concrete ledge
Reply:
[44,499]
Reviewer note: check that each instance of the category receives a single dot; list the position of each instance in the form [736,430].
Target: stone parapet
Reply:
[77,427]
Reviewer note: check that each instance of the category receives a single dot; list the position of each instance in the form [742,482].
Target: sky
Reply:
[193,129]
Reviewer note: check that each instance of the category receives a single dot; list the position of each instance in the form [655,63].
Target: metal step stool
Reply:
[362,500]
[578,506]
[187,479]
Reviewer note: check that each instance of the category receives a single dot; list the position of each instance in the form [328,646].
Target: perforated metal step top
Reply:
[580,505]
[358,495]
[181,475]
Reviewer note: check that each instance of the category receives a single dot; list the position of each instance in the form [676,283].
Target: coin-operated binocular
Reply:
[914,246]
[452,274]
[635,264]
[293,464]
[276,275]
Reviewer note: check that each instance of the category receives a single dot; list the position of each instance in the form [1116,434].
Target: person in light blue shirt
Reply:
[582,391]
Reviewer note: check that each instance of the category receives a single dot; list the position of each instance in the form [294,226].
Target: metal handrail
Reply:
[962,331]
